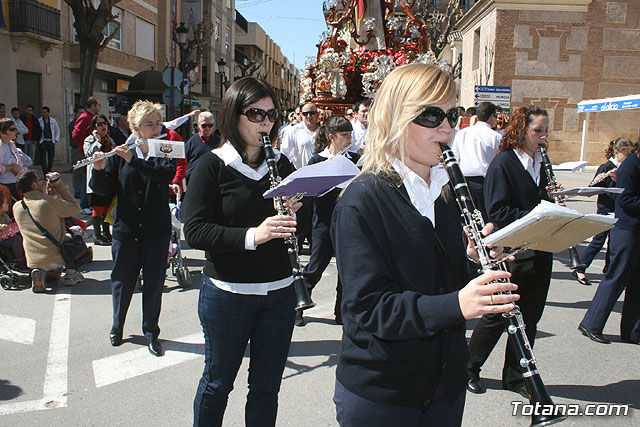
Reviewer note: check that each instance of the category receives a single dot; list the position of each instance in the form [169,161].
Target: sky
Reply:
[295,25]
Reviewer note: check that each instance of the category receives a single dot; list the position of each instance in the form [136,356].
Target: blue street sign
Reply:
[609,104]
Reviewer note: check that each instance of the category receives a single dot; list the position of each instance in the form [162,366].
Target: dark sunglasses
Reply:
[101,124]
[12,129]
[206,125]
[257,115]
[309,113]
[432,117]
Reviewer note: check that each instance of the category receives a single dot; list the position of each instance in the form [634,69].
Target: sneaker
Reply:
[72,277]
[37,281]
[101,241]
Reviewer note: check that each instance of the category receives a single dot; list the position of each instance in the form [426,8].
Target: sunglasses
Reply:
[101,124]
[206,125]
[12,129]
[309,113]
[432,117]
[257,115]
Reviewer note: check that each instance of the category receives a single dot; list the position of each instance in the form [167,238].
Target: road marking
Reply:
[120,367]
[17,329]
[55,378]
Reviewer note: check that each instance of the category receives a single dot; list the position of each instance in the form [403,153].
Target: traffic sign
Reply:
[177,97]
[177,76]
[499,95]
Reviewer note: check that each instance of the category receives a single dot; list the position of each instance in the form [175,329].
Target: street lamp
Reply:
[221,64]
[181,34]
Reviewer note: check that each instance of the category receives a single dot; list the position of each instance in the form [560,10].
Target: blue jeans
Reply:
[30,147]
[229,321]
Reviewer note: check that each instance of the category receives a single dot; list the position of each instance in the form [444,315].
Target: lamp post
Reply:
[221,69]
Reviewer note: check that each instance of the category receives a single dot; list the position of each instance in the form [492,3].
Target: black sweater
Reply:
[219,208]
[323,206]
[628,202]
[606,201]
[403,327]
[142,187]
[509,191]
[195,148]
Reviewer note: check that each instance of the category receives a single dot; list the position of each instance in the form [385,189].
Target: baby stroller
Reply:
[177,262]
[11,280]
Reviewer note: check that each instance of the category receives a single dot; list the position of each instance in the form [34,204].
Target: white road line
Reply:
[55,379]
[17,329]
[120,367]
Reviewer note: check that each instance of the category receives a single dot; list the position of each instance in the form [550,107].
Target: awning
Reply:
[628,102]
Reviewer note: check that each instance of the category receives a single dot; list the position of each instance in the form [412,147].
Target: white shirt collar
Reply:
[615,162]
[530,165]
[230,156]
[423,196]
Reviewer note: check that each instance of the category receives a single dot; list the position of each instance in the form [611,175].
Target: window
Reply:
[476,49]
[217,30]
[115,26]
[228,4]
[436,3]
[145,39]
[227,39]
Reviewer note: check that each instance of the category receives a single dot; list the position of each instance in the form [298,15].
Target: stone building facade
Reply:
[554,54]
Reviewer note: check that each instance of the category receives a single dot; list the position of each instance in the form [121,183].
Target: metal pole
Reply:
[585,137]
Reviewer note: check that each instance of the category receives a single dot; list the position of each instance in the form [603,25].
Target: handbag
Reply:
[74,251]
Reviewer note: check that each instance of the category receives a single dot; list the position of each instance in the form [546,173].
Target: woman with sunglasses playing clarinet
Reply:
[401,257]
[246,293]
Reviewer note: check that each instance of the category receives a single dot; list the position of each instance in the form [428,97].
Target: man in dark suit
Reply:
[120,132]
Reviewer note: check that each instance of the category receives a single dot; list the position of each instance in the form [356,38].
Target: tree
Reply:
[196,45]
[90,23]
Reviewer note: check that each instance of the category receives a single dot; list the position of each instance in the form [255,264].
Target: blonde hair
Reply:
[140,111]
[401,98]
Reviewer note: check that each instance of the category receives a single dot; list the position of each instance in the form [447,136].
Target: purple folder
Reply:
[315,180]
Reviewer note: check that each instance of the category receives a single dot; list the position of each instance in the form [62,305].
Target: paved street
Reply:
[58,367]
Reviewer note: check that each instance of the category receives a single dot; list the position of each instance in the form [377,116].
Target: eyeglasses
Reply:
[257,115]
[206,125]
[152,124]
[101,124]
[12,129]
[309,113]
[432,117]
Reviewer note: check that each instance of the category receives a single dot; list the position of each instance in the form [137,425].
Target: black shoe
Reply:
[584,281]
[475,386]
[629,341]
[521,390]
[155,348]
[101,241]
[338,320]
[115,336]
[299,319]
[599,338]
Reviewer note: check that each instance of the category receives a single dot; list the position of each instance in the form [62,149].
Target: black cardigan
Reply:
[142,187]
[219,208]
[509,191]
[606,201]
[628,202]
[403,327]
[195,148]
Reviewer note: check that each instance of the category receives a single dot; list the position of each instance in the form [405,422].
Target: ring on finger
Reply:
[491,296]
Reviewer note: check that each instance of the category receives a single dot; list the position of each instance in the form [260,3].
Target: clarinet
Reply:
[574,257]
[473,224]
[302,294]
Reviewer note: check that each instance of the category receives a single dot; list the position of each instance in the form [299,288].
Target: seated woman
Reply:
[13,161]
[14,241]
[99,140]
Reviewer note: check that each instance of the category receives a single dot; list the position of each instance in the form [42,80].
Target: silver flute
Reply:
[473,225]
[87,161]
[602,176]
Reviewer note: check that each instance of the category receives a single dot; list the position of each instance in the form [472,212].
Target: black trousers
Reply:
[321,253]
[533,289]
[476,187]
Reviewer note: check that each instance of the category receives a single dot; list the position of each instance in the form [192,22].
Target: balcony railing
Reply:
[242,22]
[30,16]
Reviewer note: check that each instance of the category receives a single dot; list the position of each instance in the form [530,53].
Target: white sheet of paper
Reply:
[164,148]
[570,166]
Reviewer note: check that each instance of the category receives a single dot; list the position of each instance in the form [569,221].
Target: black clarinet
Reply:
[473,224]
[304,300]
[574,257]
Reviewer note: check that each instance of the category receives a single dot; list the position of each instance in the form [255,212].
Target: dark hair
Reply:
[332,125]
[77,108]
[15,109]
[356,107]
[28,106]
[92,101]
[5,124]
[619,144]
[471,111]
[24,180]
[516,131]
[461,110]
[46,109]
[2,105]
[239,96]
[485,110]
[95,119]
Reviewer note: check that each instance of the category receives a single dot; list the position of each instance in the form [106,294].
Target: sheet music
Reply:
[317,179]
[552,228]
[588,191]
